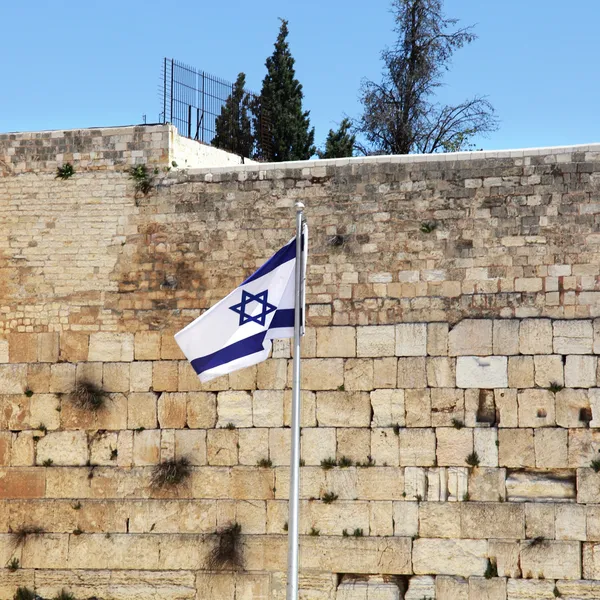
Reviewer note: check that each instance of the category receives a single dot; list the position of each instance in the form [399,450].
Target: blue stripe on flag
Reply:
[245,347]
[282,256]
[284,317]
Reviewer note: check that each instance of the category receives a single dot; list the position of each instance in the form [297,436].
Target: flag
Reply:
[237,331]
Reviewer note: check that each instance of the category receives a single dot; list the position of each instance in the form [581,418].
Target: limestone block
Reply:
[506,407]
[381,522]
[596,328]
[308,408]
[485,444]
[102,445]
[13,379]
[491,589]
[406,518]
[115,377]
[588,486]
[523,486]
[535,336]
[536,408]
[343,409]
[437,484]
[573,337]
[487,484]
[379,483]
[140,376]
[254,446]
[21,450]
[582,590]
[417,404]
[420,587]
[353,443]
[480,408]
[146,447]
[584,447]
[222,447]
[14,412]
[384,447]
[147,345]
[506,337]
[105,347]
[506,556]
[580,371]
[172,410]
[165,376]
[375,341]
[388,408]
[520,372]
[243,379]
[570,522]
[328,374]
[551,448]
[417,447]
[191,444]
[439,520]
[524,589]
[516,448]
[449,557]
[38,377]
[188,381]
[548,370]
[451,588]
[343,482]
[593,522]
[279,446]
[22,483]
[498,520]
[5,448]
[44,409]
[551,559]
[267,408]
[234,407]
[447,406]
[201,410]
[412,372]
[385,372]
[594,400]
[125,449]
[339,342]
[63,448]
[22,347]
[272,374]
[437,339]
[62,378]
[358,375]
[471,337]
[331,519]
[411,339]
[318,443]
[481,372]
[169,349]
[3,351]
[458,481]
[47,347]
[441,372]
[571,405]
[453,446]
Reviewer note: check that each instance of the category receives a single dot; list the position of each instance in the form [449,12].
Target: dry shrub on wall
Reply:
[88,396]
[227,551]
[170,473]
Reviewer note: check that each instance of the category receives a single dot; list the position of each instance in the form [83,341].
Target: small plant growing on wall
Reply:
[65,171]
[142,179]
[329,497]
[170,472]
[24,593]
[472,459]
[428,226]
[226,553]
[264,463]
[13,565]
[64,595]
[491,569]
[21,534]
[88,396]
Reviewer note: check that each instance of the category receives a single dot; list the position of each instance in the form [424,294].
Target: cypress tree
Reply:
[340,143]
[233,127]
[283,128]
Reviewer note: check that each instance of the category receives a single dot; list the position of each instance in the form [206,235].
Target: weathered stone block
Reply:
[571,406]
[449,557]
[492,520]
[516,448]
[487,484]
[344,409]
[272,374]
[412,372]
[147,345]
[584,445]
[63,448]
[520,372]
[539,520]
[165,376]
[22,347]
[201,410]
[475,372]
[243,379]
[420,587]
[552,560]
[506,336]
[337,342]
[453,446]
[471,337]
[381,483]
[548,370]
[13,379]
[418,408]
[318,443]
[234,407]
[417,447]
[406,519]
[385,372]
[44,409]
[222,447]
[116,347]
[384,447]
[485,443]
[506,407]
[358,375]
[146,447]
[140,377]
[388,408]
[541,486]
[551,448]
[571,522]
[375,341]
[254,446]
[490,589]
[439,520]
[411,339]
[535,336]
[328,374]
[141,410]
[437,339]
[3,351]
[447,407]
[441,372]
[580,371]
[451,588]
[573,337]
[267,408]
[536,408]
[525,589]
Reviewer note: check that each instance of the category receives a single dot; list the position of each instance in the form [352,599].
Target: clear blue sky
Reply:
[68,65]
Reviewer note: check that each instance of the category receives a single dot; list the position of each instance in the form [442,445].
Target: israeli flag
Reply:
[237,331]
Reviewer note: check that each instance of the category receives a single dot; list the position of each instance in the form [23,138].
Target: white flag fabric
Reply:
[237,331]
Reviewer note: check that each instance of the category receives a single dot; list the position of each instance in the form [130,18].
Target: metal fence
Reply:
[193,100]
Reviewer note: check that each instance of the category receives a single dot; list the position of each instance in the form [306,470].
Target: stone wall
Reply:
[451,404]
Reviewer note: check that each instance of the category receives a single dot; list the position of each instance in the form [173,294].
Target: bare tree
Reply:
[400,113]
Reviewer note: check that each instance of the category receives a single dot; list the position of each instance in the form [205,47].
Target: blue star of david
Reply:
[248,298]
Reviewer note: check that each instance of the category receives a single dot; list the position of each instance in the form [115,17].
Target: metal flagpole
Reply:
[292,576]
